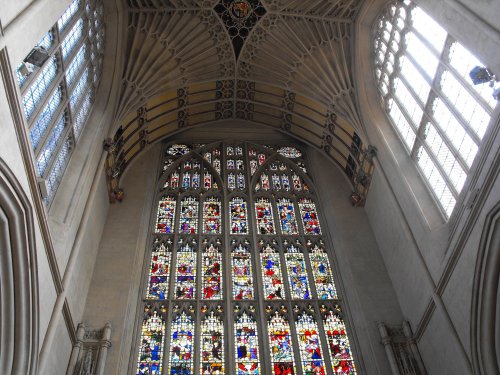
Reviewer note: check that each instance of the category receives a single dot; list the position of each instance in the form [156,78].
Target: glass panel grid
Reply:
[198,330]
[75,65]
[39,87]
[71,40]
[55,176]
[47,152]
[81,99]
[459,122]
[68,14]
[45,118]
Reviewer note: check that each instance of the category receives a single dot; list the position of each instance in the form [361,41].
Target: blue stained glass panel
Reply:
[182,346]
[246,345]
[150,359]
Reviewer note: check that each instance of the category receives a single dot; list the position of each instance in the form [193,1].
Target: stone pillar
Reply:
[401,349]
[387,342]
[90,350]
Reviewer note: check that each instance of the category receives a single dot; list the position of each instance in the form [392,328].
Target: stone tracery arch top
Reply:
[255,257]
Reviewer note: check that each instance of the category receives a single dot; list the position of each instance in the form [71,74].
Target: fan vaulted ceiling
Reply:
[302,46]
[282,63]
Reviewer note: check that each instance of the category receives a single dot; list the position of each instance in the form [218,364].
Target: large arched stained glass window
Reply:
[423,78]
[239,268]
[57,96]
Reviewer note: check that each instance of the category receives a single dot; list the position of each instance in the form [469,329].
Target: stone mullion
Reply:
[227,271]
[265,361]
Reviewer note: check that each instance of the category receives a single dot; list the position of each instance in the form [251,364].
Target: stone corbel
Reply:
[90,350]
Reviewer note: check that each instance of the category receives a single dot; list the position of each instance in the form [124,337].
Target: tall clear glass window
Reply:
[423,78]
[58,96]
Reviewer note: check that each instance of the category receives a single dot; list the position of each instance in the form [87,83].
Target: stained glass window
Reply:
[212,273]
[264,213]
[322,273]
[150,359]
[271,273]
[242,273]
[189,216]
[159,272]
[166,215]
[212,345]
[309,217]
[212,216]
[297,273]
[239,216]
[338,344]
[293,273]
[310,346]
[53,132]
[246,345]
[182,345]
[280,343]
[287,217]
[185,278]
[290,152]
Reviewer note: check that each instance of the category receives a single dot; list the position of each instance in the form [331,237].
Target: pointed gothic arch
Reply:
[18,279]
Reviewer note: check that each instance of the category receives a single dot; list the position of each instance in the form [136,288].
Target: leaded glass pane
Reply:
[322,273]
[50,146]
[241,260]
[181,359]
[338,344]
[39,87]
[166,215]
[71,40]
[246,345]
[45,117]
[150,359]
[271,273]
[212,216]
[239,216]
[189,216]
[70,12]
[310,346]
[309,217]
[286,212]
[264,213]
[297,273]
[185,275]
[212,273]
[212,345]
[159,272]
[280,342]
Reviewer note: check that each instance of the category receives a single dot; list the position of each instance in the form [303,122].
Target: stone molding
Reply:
[485,321]
[19,314]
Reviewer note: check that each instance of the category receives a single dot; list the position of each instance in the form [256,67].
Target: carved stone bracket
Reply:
[90,350]
[401,349]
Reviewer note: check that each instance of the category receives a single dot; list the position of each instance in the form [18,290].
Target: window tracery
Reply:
[273,278]
[423,78]
[57,97]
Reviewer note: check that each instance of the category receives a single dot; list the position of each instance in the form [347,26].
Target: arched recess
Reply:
[485,320]
[18,279]
[246,102]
